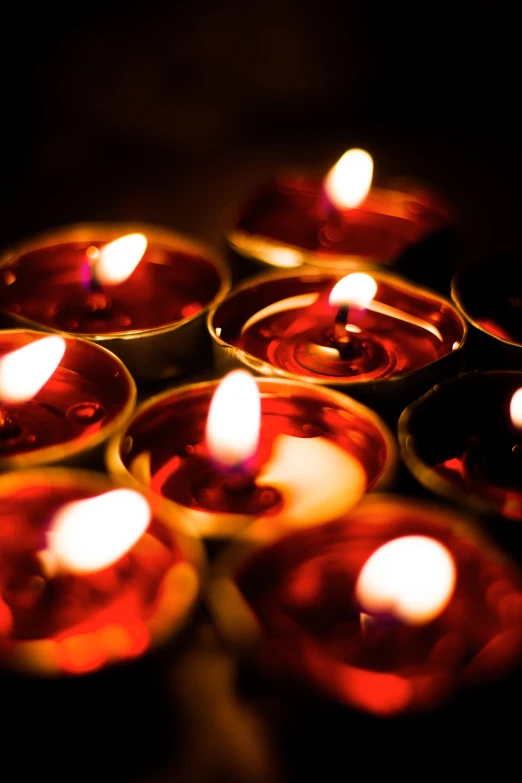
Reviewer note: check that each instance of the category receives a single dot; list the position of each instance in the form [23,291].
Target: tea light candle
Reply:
[284,453]
[90,574]
[389,610]
[374,330]
[140,293]
[61,398]
[488,294]
[476,456]
[339,219]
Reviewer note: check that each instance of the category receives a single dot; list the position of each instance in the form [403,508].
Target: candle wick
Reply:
[340,337]
[98,303]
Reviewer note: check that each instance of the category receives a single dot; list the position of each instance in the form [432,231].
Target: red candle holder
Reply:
[488,293]
[89,397]
[458,440]
[318,452]
[294,609]
[153,320]
[281,324]
[291,221]
[71,623]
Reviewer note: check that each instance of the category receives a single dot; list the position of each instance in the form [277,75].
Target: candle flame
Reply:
[23,372]
[234,420]
[118,260]
[348,183]
[411,578]
[356,289]
[89,535]
[515,409]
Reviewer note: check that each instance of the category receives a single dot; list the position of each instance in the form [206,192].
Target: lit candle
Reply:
[60,398]
[343,331]
[463,440]
[341,219]
[389,610]
[284,453]
[91,575]
[141,294]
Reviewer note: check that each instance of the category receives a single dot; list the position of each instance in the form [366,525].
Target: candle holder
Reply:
[154,320]
[488,293]
[290,222]
[302,609]
[281,324]
[319,451]
[89,397]
[458,441]
[65,621]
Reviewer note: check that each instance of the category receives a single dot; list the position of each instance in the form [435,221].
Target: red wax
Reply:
[459,440]
[88,392]
[51,286]
[299,339]
[82,621]
[295,212]
[302,590]
[168,437]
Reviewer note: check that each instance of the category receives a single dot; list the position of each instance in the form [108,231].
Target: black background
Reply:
[165,113]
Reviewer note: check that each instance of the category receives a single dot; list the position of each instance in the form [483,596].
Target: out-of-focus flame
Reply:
[234,420]
[89,535]
[23,372]
[412,578]
[118,260]
[348,182]
[356,289]
[515,409]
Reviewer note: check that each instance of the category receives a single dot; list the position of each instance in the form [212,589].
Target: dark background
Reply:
[165,113]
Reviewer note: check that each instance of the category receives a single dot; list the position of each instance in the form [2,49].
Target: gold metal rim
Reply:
[265,368]
[463,312]
[64,451]
[81,232]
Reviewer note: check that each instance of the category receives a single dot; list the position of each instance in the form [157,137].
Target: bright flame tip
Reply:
[356,289]
[515,409]
[26,370]
[234,420]
[118,259]
[348,182]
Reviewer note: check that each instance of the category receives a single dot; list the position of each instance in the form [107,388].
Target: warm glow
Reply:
[118,260]
[234,420]
[515,409]
[23,372]
[88,535]
[411,578]
[348,183]
[356,289]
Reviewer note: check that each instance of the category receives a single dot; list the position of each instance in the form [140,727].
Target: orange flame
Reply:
[348,183]
[234,420]
[89,535]
[118,260]
[412,578]
[355,289]
[515,409]
[23,372]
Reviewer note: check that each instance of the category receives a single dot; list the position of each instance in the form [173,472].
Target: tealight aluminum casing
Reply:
[439,426]
[472,285]
[180,588]
[152,353]
[94,363]
[121,445]
[387,395]
[425,258]
[284,654]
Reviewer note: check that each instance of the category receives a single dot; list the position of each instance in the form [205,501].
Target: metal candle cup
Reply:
[293,220]
[154,320]
[280,324]
[488,293]
[294,608]
[458,441]
[318,452]
[88,398]
[68,622]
